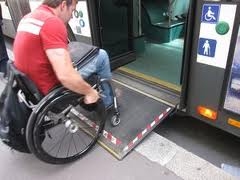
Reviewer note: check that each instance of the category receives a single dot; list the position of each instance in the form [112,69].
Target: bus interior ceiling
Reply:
[159,47]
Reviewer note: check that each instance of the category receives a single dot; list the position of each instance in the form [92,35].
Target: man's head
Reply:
[62,8]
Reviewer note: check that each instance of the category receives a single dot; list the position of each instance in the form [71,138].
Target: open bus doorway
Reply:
[156,33]
[159,41]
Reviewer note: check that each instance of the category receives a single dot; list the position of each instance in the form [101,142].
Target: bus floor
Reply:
[160,61]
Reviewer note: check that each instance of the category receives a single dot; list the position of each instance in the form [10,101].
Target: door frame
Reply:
[186,61]
[96,31]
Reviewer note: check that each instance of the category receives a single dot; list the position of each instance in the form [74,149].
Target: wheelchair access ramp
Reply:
[139,115]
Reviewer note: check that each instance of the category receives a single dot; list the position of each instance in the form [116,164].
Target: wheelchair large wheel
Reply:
[60,130]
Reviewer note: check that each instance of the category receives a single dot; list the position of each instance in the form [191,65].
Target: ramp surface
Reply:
[139,115]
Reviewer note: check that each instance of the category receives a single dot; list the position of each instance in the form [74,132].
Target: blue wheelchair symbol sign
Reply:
[210,13]
[207,47]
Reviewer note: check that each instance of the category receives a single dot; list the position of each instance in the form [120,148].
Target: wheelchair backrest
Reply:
[25,84]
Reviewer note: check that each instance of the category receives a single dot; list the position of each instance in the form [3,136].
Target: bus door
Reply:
[149,32]
[106,24]
[114,19]
[213,91]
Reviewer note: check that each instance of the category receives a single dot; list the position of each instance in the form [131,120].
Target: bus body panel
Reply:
[207,83]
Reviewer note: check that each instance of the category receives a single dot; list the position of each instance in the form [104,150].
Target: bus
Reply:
[182,53]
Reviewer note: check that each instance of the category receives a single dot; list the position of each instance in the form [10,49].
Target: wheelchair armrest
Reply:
[25,84]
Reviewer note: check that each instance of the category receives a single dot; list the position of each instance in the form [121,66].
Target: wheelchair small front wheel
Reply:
[115,120]
[61,131]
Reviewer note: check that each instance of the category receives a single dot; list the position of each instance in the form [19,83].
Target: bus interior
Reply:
[156,34]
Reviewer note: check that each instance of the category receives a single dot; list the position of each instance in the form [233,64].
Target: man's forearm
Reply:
[76,83]
[69,77]
[66,74]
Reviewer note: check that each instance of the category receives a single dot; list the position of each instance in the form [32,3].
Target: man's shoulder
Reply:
[43,15]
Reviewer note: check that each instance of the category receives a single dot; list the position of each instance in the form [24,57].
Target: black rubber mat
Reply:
[139,115]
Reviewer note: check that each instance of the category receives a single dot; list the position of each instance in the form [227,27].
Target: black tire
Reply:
[115,120]
[43,130]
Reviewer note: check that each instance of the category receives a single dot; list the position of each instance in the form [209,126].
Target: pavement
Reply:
[154,158]
[97,164]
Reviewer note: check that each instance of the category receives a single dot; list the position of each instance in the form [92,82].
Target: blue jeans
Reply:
[100,65]
[3,53]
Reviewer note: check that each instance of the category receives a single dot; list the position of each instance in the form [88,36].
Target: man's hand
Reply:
[91,97]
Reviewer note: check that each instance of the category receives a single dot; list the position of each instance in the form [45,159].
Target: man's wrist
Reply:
[89,91]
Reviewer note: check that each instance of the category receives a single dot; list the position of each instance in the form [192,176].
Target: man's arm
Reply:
[68,76]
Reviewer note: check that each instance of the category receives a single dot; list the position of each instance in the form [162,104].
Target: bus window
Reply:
[232,99]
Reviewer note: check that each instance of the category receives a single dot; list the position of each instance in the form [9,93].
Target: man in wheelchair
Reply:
[42,55]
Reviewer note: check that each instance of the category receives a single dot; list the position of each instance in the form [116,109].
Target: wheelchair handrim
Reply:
[41,153]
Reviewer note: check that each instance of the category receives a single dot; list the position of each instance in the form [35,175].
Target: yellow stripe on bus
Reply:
[151,79]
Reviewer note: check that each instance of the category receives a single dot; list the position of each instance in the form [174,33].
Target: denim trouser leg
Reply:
[100,65]
[3,54]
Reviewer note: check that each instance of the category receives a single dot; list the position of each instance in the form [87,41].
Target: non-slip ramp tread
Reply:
[139,115]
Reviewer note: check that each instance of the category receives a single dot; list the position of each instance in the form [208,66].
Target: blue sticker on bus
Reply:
[207,47]
[82,23]
[210,13]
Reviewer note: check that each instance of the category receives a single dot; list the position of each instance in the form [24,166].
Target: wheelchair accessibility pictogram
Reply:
[210,13]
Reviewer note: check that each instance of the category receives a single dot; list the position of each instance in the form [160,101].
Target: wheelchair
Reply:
[60,128]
